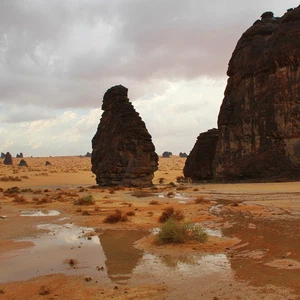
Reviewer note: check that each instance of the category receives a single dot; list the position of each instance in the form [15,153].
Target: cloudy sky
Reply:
[58,57]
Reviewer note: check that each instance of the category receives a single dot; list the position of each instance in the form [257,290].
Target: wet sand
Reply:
[53,249]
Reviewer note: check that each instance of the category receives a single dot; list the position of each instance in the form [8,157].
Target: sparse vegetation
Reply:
[12,190]
[115,217]
[85,200]
[10,178]
[181,187]
[201,200]
[177,232]
[170,212]
[130,213]
[19,199]
[182,179]
[153,202]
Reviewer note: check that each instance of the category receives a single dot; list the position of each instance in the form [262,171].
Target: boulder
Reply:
[48,163]
[199,164]
[8,159]
[23,163]
[123,152]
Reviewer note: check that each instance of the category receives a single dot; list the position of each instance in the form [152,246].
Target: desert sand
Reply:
[51,248]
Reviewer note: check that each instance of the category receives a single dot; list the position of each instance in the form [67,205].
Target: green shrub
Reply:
[176,232]
[85,200]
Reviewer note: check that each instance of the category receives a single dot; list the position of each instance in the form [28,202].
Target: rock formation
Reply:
[259,119]
[199,164]
[48,163]
[123,152]
[8,159]
[19,155]
[88,154]
[183,154]
[166,154]
[2,155]
[23,163]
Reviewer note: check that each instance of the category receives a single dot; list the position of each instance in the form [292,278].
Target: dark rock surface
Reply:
[199,164]
[8,159]
[259,119]
[23,163]
[48,163]
[19,155]
[123,152]
[88,154]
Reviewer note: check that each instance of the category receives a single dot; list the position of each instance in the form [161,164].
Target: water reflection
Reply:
[121,255]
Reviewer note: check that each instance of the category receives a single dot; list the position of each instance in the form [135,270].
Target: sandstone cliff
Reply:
[123,152]
[259,119]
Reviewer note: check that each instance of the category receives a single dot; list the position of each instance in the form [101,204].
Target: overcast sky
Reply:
[58,57]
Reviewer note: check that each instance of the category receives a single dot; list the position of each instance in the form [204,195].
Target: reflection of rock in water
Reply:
[122,256]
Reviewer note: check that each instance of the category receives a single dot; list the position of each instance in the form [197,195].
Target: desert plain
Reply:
[53,248]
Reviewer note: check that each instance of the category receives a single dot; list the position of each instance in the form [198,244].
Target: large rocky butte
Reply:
[259,119]
[123,152]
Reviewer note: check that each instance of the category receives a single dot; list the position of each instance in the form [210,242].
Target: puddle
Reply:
[51,250]
[261,247]
[39,213]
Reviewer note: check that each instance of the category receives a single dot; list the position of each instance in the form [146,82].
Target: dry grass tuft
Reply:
[85,200]
[115,217]
[153,202]
[19,199]
[201,200]
[170,212]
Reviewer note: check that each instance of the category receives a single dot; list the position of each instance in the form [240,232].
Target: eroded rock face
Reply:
[199,164]
[8,159]
[259,120]
[123,152]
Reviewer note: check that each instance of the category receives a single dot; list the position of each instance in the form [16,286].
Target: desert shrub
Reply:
[170,212]
[42,200]
[161,180]
[19,199]
[176,232]
[181,188]
[182,179]
[130,213]
[36,192]
[200,200]
[116,217]
[27,190]
[85,213]
[170,194]
[153,202]
[12,190]
[172,184]
[85,200]
[10,178]
[141,194]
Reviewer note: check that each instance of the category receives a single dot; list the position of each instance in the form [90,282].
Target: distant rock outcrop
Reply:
[166,154]
[88,154]
[123,152]
[199,164]
[2,155]
[48,163]
[8,159]
[19,155]
[23,163]
[259,119]
[183,154]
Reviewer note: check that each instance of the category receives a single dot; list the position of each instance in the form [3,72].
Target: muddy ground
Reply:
[51,248]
